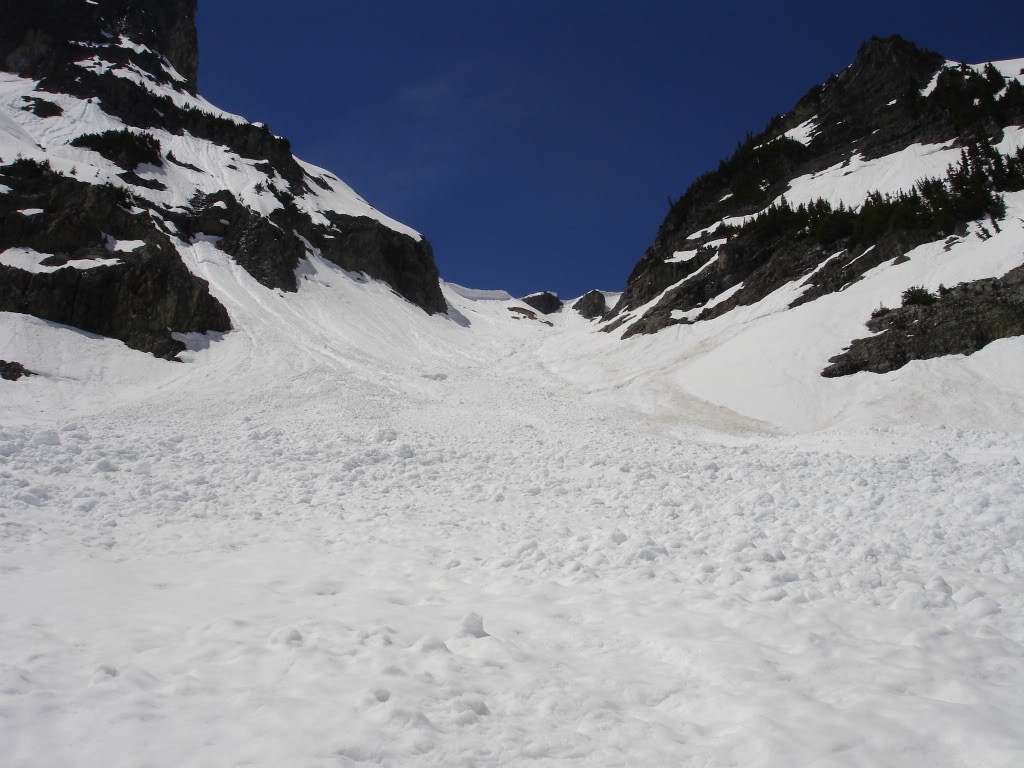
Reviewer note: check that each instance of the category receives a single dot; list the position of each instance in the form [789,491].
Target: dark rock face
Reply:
[35,37]
[962,321]
[12,371]
[270,248]
[136,301]
[850,267]
[42,107]
[591,305]
[520,313]
[362,244]
[123,148]
[546,303]
[872,108]
[763,267]
[142,300]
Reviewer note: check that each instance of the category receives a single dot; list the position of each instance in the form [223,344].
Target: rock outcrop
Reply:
[591,305]
[12,371]
[140,296]
[961,320]
[544,302]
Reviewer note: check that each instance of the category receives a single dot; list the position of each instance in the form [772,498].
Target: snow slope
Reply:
[764,360]
[348,533]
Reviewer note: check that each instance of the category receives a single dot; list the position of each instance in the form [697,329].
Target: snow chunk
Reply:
[114,245]
[29,260]
[803,133]
[473,626]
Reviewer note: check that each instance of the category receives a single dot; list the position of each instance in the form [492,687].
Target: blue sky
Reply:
[534,143]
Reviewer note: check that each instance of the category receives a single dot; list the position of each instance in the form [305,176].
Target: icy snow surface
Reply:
[350,534]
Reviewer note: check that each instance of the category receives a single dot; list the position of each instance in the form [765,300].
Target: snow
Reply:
[349,533]
[1011,69]
[803,133]
[680,256]
[479,295]
[691,314]
[851,182]
[122,246]
[498,542]
[706,231]
[14,140]
[28,260]
[762,361]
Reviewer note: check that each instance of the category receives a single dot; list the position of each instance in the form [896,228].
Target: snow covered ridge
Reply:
[863,135]
[110,107]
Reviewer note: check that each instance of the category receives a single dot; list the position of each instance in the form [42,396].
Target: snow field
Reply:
[318,548]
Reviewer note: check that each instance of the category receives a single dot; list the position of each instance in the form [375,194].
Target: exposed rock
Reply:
[270,248]
[591,305]
[545,302]
[519,313]
[850,267]
[42,107]
[137,301]
[142,300]
[12,371]
[963,320]
[172,159]
[361,244]
[126,149]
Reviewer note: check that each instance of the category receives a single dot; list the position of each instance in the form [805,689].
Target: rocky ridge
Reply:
[959,321]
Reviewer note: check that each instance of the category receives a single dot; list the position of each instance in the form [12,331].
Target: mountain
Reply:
[117,176]
[899,154]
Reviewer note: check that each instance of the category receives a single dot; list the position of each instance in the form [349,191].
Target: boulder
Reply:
[545,302]
[12,371]
[961,321]
[591,305]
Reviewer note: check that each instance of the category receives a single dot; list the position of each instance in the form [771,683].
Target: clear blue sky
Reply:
[536,143]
